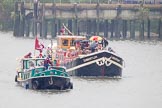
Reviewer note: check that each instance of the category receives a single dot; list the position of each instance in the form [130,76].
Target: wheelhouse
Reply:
[67,42]
[27,63]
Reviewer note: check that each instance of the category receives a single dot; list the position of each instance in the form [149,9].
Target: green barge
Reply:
[32,74]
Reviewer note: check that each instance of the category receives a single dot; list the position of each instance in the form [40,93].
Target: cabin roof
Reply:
[69,36]
[63,67]
[33,58]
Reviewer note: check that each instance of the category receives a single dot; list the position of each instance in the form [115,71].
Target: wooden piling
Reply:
[35,18]
[40,29]
[148,28]
[70,23]
[112,29]
[53,28]
[88,22]
[106,28]
[22,19]
[124,30]
[160,29]
[98,18]
[141,34]
[46,28]
[78,30]
[97,26]
[132,29]
[94,27]
[117,28]
[27,27]
[75,26]
[75,19]
[17,20]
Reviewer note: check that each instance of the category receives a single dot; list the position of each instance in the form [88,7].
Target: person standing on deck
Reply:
[28,55]
[93,46]
[104,42]
[62,31]
[47,62]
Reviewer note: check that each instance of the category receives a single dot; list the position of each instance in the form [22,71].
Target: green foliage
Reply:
[143,13]
[7,7]
[76,1]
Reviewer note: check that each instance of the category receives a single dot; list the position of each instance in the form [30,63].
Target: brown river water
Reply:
[139,87]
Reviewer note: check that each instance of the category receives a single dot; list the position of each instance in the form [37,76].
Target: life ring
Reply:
[16,78]
[70,85]
[35,85]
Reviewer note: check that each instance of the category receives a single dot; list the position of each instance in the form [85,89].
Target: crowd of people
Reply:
[87,46]
[81,47]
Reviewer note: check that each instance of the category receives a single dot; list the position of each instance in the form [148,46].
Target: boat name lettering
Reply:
[116,59]
[89,59]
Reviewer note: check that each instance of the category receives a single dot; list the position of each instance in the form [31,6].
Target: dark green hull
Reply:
[50,82]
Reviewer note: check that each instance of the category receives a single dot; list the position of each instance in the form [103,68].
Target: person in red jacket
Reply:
[47,62]
[28,55]
[62,31]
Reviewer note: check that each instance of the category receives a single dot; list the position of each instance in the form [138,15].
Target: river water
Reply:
[139,87]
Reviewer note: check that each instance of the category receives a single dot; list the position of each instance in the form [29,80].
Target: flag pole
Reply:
[51,50]
[34,46]
[67,29]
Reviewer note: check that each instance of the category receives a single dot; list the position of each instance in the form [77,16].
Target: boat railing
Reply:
[48,72]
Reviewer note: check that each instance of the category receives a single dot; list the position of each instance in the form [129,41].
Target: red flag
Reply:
[38,45]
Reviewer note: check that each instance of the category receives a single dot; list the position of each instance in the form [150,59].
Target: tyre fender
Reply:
[35,85]
[16,78]
[70,85]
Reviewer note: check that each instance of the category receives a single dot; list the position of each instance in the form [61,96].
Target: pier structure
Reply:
[126,21]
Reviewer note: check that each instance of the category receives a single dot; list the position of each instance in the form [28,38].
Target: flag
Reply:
[38,45]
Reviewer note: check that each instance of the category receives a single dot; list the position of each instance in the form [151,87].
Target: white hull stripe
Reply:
[83,56]
[91,62]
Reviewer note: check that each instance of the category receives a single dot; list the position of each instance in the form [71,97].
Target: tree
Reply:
[143,14]
[6,8]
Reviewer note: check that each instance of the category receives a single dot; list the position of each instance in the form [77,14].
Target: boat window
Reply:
[27,64]
[28,75]
[65,42]
[40,63]
[72,43]
[22,74]
[24,65]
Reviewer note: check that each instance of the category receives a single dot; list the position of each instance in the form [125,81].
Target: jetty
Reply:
[126,21]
